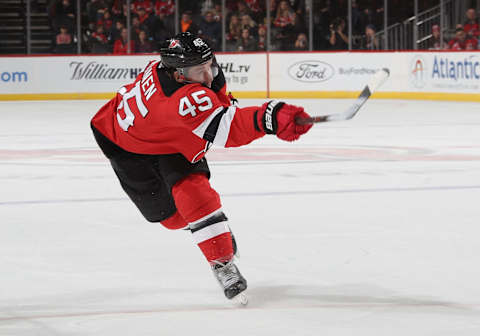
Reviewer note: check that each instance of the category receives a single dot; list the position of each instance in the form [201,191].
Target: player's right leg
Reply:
[140,179]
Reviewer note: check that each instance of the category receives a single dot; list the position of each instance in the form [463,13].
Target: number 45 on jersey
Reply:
[132,101]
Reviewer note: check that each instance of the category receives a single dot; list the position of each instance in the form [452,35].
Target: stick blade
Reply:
[375,82]
[378,79]
[353,110]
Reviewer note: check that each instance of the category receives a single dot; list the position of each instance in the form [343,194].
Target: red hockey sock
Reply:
[213,236]
[174,222]
[195,198]
[199,204]
[218,248]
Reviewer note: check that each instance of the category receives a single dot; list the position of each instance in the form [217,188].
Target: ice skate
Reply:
[232,282]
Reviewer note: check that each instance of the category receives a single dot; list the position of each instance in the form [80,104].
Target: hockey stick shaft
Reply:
[376,81]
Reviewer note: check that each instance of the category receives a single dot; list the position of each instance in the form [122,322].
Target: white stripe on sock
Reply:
[210,231]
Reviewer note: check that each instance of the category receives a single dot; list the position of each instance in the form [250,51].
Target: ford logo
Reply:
[311,71]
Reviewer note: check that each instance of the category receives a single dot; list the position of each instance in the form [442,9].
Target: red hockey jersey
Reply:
[157,115]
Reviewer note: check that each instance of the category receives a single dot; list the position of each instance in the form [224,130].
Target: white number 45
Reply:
[203,103]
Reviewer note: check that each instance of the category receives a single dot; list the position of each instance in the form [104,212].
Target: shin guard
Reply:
[199,204]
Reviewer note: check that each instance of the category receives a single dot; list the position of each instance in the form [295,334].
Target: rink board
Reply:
[414,75]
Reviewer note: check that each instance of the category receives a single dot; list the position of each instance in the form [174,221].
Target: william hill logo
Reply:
[311,71]
[96,71]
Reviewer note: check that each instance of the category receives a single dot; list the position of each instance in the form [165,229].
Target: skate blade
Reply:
[241,299]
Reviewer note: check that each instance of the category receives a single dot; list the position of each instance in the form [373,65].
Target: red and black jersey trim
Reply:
[212,128]
[168,84]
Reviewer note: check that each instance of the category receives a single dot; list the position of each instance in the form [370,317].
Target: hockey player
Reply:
[156,131]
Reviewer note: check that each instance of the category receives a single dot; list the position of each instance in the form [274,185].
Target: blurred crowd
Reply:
[104,30]
[466,36]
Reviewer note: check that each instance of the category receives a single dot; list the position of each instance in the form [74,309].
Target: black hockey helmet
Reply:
[185,50]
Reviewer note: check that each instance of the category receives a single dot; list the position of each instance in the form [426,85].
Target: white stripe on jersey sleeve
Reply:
[202,128]
[223,130]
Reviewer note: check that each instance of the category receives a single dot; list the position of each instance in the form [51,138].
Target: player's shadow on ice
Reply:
[348,296]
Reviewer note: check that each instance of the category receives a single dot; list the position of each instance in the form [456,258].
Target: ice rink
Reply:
[364,227]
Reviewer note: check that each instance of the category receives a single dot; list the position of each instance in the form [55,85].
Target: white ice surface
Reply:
[365,227]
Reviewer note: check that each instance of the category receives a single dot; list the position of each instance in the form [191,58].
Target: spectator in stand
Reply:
[120,46]
[117,9]
[273,7]
[338,40]
[213,6]
[63,41]
[234,32]
[284,24]
[187,24]
[262,37]
[321,19]
[137,27]
[106,21]
[64,15]
[246,41]
[217,12]
[357,19]
[125,12]
[64,36]
[95,9]
[284,11]
[166,7]
[206,6]
[98,41]
[435,43]
[301,42]
[460,41]
[298,7]
[369,41]
[471,26]
[146,5]
[162,26]
[247,22]
[256,8]
[143,16]
[143,45]
[242,9]
[211,30]
[116,31]
[471,44]
[368,17]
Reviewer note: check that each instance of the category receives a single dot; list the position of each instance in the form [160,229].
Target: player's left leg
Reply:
[200,205]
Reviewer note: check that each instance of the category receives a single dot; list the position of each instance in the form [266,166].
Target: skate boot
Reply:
[231,281]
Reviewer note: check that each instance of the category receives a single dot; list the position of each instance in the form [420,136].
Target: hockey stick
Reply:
[375,82]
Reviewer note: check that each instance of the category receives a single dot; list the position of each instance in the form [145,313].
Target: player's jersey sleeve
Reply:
[215,122]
